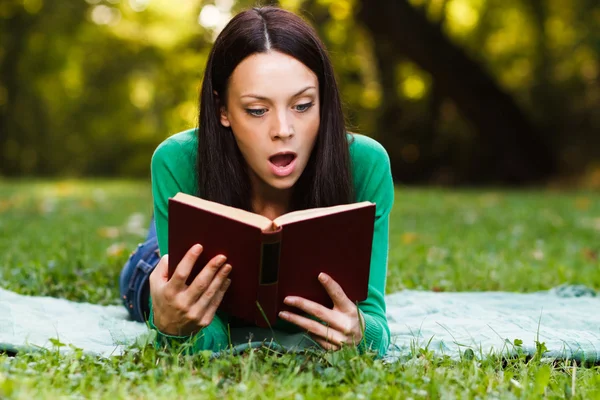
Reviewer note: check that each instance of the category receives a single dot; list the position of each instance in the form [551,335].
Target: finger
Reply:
[212,307]
[335,291]
[325,332]
[210,271]
[202,290]
[160,274]
[316,310]
[324,343]
[183,269]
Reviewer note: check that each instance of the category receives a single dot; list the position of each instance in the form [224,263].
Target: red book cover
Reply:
[273,259]
[337,244]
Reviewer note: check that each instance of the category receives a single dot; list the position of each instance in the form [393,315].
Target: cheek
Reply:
[248,147]
[312,126]
[247,139]
[244,130]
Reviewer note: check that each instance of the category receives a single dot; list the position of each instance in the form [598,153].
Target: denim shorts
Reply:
[134,285]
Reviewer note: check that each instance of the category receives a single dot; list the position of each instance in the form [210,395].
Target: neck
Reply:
[268,201]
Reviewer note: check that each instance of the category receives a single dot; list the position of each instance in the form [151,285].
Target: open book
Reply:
[274,259]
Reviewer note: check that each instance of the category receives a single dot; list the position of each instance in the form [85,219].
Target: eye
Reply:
[303,107]
[256,112]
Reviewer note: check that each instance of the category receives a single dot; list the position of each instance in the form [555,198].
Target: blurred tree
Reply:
[510,147]
[459,91]
[91,88]
[24,130]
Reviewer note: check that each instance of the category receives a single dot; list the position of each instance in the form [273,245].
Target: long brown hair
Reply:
[222,170]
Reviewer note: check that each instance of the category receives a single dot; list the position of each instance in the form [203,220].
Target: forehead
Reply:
[271,74]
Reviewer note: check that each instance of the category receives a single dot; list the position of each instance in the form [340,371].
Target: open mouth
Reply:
[282,160]
[283,164]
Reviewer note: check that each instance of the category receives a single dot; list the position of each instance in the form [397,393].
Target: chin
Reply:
[284,183]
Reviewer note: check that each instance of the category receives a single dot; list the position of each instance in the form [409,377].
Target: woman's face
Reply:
[273,110]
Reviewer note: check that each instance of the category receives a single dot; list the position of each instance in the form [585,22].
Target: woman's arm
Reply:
[172,171]
[375,184]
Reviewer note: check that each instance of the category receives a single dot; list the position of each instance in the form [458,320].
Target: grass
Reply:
[70,238]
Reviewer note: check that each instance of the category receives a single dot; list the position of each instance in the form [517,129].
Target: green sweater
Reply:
[174,170]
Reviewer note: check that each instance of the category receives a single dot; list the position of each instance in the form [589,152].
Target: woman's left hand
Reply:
[341,325]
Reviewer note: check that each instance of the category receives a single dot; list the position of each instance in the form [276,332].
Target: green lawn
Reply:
[70,238]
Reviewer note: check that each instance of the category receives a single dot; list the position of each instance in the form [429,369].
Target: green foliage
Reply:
[95,87]
[70,238]
[90,88]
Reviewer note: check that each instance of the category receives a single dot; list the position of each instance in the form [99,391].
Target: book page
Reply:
[256,220]
[316,212]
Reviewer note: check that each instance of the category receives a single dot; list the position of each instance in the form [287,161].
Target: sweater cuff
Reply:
[171,341]
[374,337]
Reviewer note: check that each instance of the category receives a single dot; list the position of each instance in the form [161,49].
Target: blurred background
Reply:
[460,92]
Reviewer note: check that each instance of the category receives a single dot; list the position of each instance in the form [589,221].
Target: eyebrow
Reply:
[266,98]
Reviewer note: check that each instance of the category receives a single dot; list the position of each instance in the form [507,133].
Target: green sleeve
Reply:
[373,182]
[172,170]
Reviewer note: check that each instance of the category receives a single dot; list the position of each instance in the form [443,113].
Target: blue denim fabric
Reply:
[133,281]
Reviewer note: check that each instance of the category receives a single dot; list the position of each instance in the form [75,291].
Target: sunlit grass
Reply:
[70,238]
[494,240]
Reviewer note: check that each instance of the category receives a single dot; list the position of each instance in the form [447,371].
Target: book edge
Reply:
[305,215]
[232,213]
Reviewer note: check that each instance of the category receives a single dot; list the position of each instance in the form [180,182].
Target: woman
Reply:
[271,139]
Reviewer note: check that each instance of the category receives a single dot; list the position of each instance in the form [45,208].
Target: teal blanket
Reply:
[566,319]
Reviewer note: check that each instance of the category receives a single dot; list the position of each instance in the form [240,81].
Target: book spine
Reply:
[266,298]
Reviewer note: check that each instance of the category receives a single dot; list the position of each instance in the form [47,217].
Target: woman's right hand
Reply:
[183,310]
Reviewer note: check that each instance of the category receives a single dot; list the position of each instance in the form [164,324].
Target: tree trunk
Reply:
[15,31]
[514,151]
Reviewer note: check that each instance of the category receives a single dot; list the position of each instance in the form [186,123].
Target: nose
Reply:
[283,128]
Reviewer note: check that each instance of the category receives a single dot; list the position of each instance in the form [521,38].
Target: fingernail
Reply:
[221,260]
[227,269]
[288,300]
[227,283]
[322,277]
[283,314]
[196,249]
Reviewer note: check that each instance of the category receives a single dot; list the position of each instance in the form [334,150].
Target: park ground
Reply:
[70,238]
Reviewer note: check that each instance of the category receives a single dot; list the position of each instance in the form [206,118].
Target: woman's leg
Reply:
[133,281]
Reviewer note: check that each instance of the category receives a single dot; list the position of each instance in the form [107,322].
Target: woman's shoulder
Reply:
[175,160]
[185,141]
[371,170]
[366,150]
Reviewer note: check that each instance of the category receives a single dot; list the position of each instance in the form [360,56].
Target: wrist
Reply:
[176,331]
[165,330]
